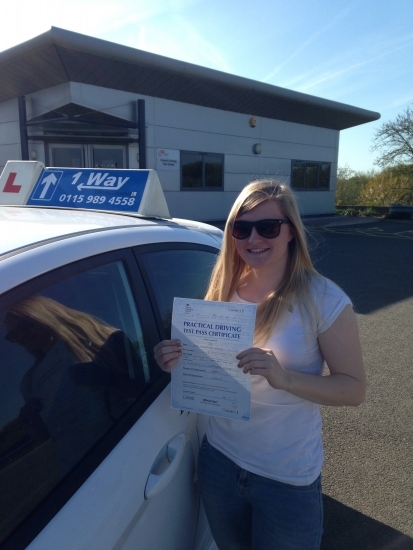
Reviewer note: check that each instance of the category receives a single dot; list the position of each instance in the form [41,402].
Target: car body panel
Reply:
[25,226]
[110,509]
[64,248]
[144,493]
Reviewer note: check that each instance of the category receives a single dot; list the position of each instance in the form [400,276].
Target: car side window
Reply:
[72,361]
[177,273]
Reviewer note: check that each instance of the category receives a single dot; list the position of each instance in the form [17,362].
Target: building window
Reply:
[202,171]
[310,175]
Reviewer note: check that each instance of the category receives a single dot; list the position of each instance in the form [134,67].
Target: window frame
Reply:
[37,520]
[304,163]
[87,149]
[203,187]
[140,251]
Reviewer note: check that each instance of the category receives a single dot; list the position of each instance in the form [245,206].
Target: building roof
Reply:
[59,56]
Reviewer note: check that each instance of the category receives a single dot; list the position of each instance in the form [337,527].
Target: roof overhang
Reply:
[59,56]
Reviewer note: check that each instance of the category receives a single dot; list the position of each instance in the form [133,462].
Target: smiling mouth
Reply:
[257,250]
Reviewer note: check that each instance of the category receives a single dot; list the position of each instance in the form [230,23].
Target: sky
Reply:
[358,52]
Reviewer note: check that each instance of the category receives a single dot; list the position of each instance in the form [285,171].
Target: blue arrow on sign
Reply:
[46,185]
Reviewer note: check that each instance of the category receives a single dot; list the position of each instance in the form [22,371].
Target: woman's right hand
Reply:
[30,410]
[167,353]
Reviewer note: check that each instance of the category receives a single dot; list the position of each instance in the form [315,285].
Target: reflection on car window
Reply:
[72,361]
[177,273]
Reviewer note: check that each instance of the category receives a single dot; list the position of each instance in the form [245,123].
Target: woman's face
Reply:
[28,333]
[258,252]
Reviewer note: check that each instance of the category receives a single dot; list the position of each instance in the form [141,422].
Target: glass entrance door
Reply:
[67,156]
[108,157]
[87,156]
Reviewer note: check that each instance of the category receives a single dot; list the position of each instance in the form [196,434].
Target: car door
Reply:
[178,270]
[91,456]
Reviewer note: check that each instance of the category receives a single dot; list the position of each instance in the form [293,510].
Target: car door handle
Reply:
[165,466]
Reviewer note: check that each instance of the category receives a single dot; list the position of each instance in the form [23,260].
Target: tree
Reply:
[386,188]
[371,188]
[394,141]
[349,185]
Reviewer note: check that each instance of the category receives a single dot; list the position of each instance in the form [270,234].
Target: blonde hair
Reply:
[230,268]
[82,334]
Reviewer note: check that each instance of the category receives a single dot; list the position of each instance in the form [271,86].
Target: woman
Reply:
[79,382]
[260,481]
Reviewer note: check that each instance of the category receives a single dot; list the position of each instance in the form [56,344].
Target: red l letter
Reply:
[10,187]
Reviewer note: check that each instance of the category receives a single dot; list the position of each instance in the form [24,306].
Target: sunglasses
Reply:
[269,229]
[19,331]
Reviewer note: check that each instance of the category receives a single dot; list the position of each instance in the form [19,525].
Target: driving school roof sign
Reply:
[29,182]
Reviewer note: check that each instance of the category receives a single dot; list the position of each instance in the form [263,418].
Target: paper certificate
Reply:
[206,378]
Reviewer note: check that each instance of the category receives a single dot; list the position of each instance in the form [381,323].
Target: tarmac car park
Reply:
[91,454]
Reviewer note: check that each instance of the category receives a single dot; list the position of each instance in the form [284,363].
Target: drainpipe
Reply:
[24,142]
[142,133]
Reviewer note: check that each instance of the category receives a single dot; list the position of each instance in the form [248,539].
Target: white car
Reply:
[92,457]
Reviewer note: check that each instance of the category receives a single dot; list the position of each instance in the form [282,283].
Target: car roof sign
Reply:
[16,181]
[31,183]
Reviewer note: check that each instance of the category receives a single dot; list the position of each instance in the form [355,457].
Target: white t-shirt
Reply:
[282,441]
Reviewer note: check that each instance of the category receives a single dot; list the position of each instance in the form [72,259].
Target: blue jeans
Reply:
[246,511]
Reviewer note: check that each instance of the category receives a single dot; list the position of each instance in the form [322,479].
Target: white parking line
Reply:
[371,232]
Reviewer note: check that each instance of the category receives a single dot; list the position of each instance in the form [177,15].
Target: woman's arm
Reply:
[340,346]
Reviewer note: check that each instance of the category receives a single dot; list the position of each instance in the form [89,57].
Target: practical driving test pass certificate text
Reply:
[206,378]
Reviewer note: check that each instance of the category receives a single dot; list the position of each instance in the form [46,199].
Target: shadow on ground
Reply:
[374,270]
[348,529]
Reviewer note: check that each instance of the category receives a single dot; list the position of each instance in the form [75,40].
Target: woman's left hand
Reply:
[340,347]
[263,362]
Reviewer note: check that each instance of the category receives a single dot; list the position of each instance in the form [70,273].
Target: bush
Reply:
[349,212]
[391,185]
[369,212]
[349,185]
[386,188]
